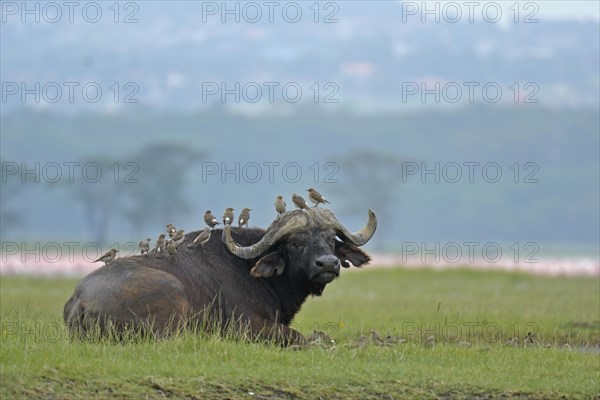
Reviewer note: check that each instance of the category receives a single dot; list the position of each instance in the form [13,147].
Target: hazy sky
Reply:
[562,9]
[555,9]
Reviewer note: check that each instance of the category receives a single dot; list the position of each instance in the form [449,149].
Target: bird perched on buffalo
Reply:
[280,205]
[171,248]
[108,256]
[179,237]
[210,219]
[316,197]
[299,201]
[159,247]
[144,246]
[201,239]
[244,217]
[171,230]
[228,216]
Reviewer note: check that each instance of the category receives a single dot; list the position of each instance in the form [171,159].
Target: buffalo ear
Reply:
[268,265]
[348,253]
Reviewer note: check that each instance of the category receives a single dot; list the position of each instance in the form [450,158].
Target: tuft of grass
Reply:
[39,360]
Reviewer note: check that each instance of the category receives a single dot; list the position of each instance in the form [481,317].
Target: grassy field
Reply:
[455,323]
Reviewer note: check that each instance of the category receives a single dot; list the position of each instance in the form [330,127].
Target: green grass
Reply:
[486,309]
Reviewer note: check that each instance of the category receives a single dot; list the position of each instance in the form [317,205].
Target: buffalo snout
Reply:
[328,263]
[326,268]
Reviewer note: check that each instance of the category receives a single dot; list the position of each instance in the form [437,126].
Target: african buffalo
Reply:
[256,277]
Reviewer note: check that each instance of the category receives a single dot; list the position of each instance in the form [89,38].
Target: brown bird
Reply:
[376,338]
[201,239]
[360,342]
[179,237]
[244,217]
[430,342]
[393,339]
[228,216]
[299,202]
[210,219]
[108,256]
[320,338]
[316,197]
[529,339]
[280,205]
[171,230]
[171,248]
[144,246]
[159,247]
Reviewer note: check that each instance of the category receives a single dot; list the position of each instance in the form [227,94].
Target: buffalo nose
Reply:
[328,263]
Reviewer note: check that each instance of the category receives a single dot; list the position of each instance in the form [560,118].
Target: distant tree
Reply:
[99,193]
[12,187]
[160,181]
[370,179]
[139,188]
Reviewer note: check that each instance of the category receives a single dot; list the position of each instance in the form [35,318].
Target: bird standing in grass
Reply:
[228,216]
[244,217]
[376,338]
[210,219]
[529,340]
[201,239]
[393,339]
[171,230]
[179,237]
[108,256]
[159,247]
[280,205]
[430,342]
[320,338]
[171,248]
[144,246]
[316,197]
[360,342]
[299,201]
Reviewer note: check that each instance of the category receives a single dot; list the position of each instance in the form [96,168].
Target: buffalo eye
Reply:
[331,240]
[296,245]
